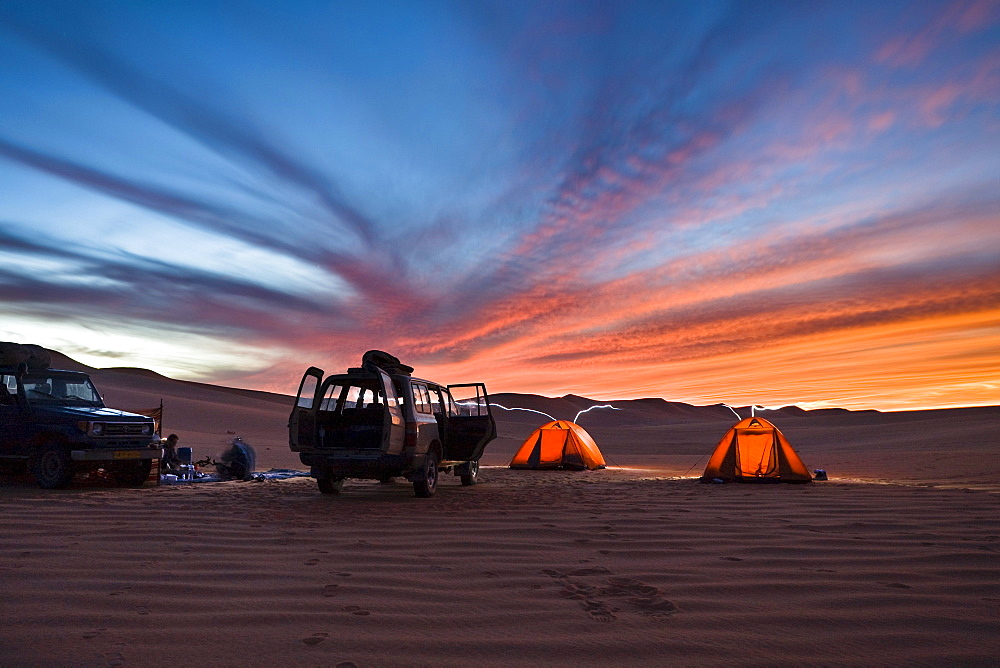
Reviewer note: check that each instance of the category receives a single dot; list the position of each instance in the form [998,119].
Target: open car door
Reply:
[469,424]
[393,429]
[302,422]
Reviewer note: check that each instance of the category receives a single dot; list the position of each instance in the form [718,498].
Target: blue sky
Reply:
[741,202]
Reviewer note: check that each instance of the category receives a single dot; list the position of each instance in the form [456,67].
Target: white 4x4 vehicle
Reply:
[379,422]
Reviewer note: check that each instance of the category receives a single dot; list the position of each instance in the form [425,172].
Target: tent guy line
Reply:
[530,410]
[753,407]
[586,410]
[575,418]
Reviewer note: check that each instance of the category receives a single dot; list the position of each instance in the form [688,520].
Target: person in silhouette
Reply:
[170,462]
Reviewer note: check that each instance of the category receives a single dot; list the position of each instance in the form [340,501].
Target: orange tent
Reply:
[755,451]
[559,445]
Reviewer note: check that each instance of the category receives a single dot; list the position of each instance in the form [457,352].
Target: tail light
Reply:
[411,435]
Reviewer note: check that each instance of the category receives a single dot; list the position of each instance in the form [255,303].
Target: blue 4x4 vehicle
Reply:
[379,422]
[57,422]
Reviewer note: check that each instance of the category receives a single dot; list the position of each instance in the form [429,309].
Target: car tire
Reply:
[52,467]
[472,477]
[133,473]
[427,484]
[330,485]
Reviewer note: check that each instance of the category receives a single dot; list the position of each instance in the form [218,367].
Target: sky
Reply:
[744,202]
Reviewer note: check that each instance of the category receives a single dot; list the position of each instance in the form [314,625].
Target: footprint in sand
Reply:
[330,591]
[142,610]
[316,638]
[553,574]
[347,664]
[730,558]
[115,658]
[640,597]
[646,599]
[311,562]
[93,634]
[356,610]
[897,585]
[600,611]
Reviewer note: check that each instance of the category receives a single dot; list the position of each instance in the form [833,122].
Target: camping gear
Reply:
[237,461]
[559,445]
[754,450]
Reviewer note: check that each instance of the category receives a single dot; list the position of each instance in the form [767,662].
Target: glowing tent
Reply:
[558,445]
[753,450]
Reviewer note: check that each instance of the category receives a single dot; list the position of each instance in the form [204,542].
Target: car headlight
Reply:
[97,428]
[147,429]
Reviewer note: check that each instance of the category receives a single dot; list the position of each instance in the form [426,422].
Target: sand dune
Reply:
[892,562]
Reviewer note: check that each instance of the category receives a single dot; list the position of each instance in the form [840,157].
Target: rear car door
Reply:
[393,428]
[302,422]
[468,425]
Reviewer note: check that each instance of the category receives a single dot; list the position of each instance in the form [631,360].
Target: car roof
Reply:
[36,371]
[367,375]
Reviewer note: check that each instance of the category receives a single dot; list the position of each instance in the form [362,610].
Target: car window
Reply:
[421,399]
[391,402]
[330,397]
[400,393]
[346,394]
[362,396]
[436,405]
[307,391]
[452,408]
[60,388]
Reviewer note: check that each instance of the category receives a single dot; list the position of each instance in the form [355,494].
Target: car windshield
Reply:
[62,389]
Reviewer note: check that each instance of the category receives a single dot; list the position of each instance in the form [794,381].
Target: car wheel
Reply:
[472,476]
[330,485]
[52,467]
[426,486]
[132,473]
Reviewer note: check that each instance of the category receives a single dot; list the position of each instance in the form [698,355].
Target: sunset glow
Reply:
[706,202]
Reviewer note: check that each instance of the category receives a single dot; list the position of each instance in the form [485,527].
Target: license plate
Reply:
[127,454]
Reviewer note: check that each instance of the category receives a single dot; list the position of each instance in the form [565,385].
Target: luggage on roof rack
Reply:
[35,356]
[386,362]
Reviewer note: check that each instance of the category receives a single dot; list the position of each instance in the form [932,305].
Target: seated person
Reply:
[170,463]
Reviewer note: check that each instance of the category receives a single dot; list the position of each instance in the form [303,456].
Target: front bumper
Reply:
[119,454]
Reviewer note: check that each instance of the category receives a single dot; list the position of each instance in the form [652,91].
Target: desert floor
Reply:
[894,561]
[613,567]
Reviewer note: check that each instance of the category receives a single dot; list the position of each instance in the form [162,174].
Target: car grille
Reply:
[123,429]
